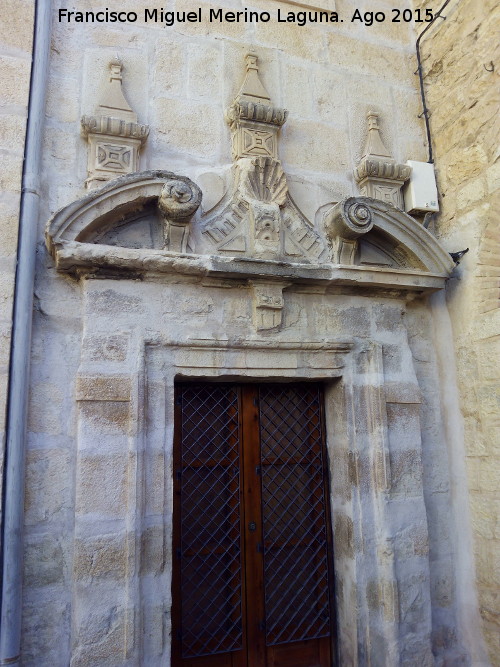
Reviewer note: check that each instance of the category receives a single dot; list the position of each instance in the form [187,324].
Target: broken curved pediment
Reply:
[149,223]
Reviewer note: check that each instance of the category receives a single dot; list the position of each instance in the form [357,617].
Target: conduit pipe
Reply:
[425,112]
[14,471]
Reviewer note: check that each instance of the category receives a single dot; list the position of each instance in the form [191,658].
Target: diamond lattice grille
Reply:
[210,520]
[293,508]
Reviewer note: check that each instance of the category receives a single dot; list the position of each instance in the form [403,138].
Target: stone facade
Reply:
[237,245]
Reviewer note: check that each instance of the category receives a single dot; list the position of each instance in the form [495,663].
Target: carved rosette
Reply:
[113,134]
[178,202]
[378,174]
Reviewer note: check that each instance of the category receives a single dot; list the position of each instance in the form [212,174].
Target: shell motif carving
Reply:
[179,199]
[266,181]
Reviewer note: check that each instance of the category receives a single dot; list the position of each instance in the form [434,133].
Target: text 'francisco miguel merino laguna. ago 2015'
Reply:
[218,15]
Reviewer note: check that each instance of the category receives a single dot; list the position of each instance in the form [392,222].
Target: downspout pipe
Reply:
[14,470]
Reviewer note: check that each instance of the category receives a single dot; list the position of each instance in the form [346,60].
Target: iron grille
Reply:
[296,585]
[211,615]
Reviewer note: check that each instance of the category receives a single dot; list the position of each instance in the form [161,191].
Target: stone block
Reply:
[170,63]
[101,556]
[197,130]
[103,388]
[12,130]
[298,95]
[9,221]
[471,193]
[63,95]
[16,27]
[101,636]
[301,41]
[44,642]
[404,418]
[303,146]
[386,63]
[11,172]
[342,320]
[102,485]
[343,533]
[106,417]
[48,486]
[406,473]
[493,177]
[45,562]
[15,76]
[152,550]
[45,414]
[204,67]
[393,359]
[112,302]
[104,347]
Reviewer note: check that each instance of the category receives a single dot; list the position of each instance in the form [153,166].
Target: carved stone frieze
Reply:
[113,133]
[378,174]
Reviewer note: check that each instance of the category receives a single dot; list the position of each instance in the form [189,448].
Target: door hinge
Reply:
[258,470]
[178,474]
[256,401]
[262,626]
[260,548]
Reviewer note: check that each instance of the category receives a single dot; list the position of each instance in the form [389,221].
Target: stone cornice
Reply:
[115,127]
[255,111]
[87,259]
[374,167]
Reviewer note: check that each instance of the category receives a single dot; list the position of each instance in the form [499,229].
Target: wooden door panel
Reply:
[294,511]
[207,586]
[251,567]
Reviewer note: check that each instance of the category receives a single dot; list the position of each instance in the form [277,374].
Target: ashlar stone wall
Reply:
[460,59]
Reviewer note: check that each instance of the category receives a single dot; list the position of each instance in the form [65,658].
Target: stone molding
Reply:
[361,483]
[113,133]
[378,174]
[422,263]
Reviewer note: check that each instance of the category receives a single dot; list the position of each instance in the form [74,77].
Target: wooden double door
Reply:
[252,571]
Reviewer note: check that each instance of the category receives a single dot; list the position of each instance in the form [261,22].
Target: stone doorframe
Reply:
[366,571]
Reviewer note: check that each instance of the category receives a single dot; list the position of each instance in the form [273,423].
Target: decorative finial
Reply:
[113,133]
[378,174]
[253,119]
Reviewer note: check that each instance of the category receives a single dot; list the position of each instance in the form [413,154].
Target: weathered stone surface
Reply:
[100,471]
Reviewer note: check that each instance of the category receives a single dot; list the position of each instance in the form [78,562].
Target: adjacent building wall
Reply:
[461,66]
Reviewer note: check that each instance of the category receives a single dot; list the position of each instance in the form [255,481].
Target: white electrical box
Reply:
[421,191]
